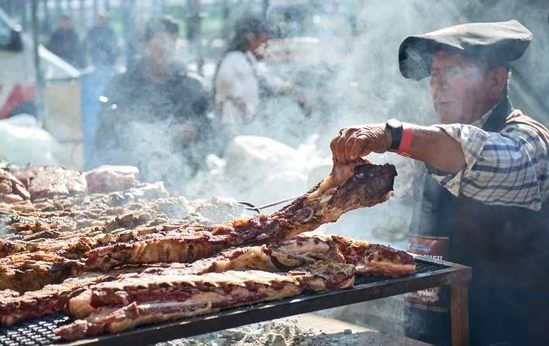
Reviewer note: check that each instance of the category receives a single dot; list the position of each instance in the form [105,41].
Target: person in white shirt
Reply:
[236,84]
[239,82]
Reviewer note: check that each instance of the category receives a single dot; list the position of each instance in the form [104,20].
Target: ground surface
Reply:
[304,330]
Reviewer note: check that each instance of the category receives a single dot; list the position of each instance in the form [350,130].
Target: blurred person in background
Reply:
[64,42]
[239,82]
[101,46]
[485,185]
[102,43]
[155,116]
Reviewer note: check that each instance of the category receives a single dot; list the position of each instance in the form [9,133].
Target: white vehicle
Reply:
[17,72]
[61,93]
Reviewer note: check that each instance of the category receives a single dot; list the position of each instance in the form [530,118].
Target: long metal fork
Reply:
[252,207]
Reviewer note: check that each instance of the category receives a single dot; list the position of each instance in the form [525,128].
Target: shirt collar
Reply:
[482,120]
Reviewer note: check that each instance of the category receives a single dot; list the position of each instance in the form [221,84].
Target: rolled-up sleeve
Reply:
[507,168]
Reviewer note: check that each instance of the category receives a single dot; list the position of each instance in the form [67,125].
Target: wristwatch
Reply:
[395,127]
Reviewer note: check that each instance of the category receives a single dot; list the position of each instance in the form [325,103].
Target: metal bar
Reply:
[459,310]
[37,68]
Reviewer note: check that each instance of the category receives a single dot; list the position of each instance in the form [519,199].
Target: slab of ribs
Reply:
[117,256]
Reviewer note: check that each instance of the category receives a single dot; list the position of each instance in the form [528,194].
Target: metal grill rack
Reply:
[429,273]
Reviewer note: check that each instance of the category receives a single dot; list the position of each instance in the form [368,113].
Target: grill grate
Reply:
[40,331]
[33,332]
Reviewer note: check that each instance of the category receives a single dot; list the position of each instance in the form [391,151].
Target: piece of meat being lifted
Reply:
[131,301]
[353,186]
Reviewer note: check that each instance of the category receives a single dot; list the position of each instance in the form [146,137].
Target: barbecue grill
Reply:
[429,273]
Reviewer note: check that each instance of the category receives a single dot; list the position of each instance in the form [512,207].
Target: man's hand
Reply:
[355,142]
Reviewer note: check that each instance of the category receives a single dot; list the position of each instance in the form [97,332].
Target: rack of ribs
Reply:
[365,186]
[123,304]
[305,249]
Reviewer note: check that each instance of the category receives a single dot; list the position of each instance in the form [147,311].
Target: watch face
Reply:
[394,123]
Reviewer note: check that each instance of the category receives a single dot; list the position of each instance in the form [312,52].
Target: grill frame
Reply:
[429,273]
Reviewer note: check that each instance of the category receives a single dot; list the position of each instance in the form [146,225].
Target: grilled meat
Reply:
[369,185]
[49,299]
[374,259]
[49,181]
[125,303]
[11,189]
[104,179]
[325,275]
[161,298]
[32,271]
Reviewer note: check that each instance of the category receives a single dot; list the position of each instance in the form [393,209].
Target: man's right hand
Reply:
[355,142]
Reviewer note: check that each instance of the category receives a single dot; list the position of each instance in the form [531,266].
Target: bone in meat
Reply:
[368,185]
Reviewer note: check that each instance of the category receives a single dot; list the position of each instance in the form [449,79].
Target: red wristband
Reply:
[405,142]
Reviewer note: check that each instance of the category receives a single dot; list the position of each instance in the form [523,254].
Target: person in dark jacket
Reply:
[486,186]
[155,116]
[102,43]
[64,42]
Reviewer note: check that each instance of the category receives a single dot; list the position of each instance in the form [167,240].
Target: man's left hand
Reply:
[354,142]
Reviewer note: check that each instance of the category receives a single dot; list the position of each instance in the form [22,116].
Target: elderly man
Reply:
[485,193]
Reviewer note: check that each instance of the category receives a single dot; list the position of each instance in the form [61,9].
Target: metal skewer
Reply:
[251,206]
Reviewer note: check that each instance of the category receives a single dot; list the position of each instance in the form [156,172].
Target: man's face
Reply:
[161,48]
[458,87]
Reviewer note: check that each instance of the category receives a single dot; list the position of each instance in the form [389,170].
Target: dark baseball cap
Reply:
[498,42]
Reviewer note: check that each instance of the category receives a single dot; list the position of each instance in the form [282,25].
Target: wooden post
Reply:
[194,33]
[459,308]
[47,18]
[39,97]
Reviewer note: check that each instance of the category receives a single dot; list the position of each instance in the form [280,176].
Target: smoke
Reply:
[342,57]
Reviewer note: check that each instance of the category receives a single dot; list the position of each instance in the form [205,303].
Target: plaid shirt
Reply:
[507,168]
